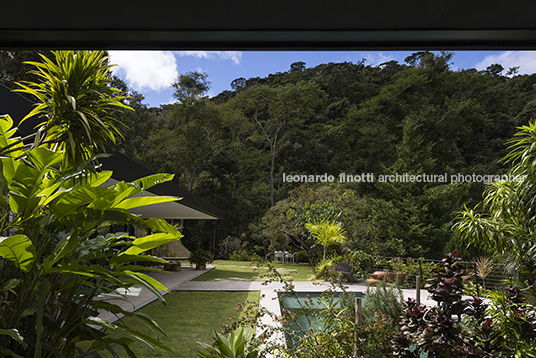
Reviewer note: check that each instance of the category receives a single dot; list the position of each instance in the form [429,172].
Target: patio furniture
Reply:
[345,269]
[289,257]
[279,256]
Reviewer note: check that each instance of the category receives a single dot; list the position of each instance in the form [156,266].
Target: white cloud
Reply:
[376,58]
[526,60]
[235,56]
[155,70]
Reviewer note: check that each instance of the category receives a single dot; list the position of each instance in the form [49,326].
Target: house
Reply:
[124,169]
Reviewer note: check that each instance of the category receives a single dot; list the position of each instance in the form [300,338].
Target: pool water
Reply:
[308,306]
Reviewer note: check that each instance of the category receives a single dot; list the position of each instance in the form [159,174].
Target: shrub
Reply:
[301,256]
[323,270]
[459,327]
[235,344]
[383,303]
[242,256]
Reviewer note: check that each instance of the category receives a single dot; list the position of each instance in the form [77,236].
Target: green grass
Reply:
[190,317]
[243,271]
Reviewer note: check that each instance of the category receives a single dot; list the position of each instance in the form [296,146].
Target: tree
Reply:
[413,217]
[327,233]
[503,224]
[273,109]
[51,278]
[60,255]
[76,107]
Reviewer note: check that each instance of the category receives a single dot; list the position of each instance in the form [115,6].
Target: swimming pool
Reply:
[308,307]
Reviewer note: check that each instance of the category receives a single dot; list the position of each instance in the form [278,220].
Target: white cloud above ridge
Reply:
[235,56]
[154,70]
[526,60]
[373,58]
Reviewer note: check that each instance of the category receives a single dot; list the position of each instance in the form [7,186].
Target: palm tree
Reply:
[327,233]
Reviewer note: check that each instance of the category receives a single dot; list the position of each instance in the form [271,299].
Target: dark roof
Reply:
[124,168]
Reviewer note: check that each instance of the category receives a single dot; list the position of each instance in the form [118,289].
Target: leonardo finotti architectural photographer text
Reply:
[396,178]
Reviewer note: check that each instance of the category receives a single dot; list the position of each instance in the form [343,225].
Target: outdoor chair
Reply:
[279,256]
[288,257]
[345,269]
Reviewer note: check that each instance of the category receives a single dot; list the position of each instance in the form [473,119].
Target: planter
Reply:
[392,277]
[172,267]
[378,275]
[375,278]
[200,266]
[372,281]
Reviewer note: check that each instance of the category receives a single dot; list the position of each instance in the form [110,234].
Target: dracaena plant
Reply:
[56,265]
[75,108]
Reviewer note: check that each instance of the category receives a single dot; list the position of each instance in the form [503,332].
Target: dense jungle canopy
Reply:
[418,117]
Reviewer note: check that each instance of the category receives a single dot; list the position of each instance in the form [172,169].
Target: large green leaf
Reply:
[144,200]
[146,243]
[18,249]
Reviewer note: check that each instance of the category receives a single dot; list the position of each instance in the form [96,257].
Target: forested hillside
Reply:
[419,117]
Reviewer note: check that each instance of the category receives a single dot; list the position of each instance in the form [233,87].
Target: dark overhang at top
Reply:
[270,24]
[124,169]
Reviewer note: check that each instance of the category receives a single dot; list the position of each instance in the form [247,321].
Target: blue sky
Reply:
[152,72]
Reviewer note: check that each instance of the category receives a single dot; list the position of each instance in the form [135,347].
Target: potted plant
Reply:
[173,265]
[201,258]
[397,274]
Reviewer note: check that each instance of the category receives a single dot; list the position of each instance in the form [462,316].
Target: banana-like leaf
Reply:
[155,283]
[149,242]
[146,281]
[126,258]
[18,249]
[135,336]
[144,200]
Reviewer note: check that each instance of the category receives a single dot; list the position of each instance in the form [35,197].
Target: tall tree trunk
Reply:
[272,169]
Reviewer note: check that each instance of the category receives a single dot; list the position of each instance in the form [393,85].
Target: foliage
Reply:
[327,233]
[418,267]
[459,327]
[331,203]
[504,225]
[324,326]
[324,269]
[418,116]
[229,246]
[383,302]
[76,107]
[242,256]
[483,267]
[234,345]
[57,263]
[201,256]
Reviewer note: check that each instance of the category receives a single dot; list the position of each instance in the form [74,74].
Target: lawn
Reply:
[243,271]
[189,317]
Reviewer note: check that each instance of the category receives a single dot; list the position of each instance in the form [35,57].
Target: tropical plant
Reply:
[76,108]
[236,344]
[201,256]
[460,327]
[504,225]
[59,266]
[327,233]
[483,267]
